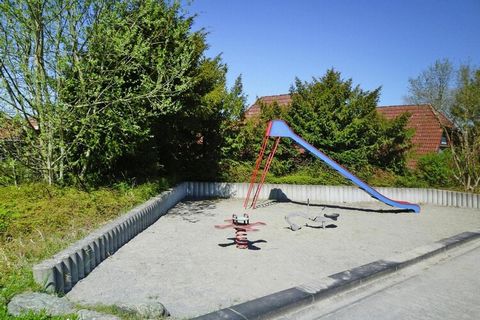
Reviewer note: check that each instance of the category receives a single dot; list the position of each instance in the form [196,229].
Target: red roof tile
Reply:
[427,122]
[254,109]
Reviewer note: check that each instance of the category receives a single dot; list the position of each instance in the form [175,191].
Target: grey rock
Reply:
[84,314]
[147,310]
[36,302]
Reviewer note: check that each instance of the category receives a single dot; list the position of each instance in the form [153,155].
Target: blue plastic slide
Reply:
[279,128]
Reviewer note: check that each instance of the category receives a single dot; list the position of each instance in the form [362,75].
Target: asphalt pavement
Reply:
[446,289]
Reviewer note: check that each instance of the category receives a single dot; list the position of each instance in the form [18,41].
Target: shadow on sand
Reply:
[193,210]
[250,246]
[277,195]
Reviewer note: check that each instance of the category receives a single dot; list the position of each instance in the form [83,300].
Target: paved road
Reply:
[447,290]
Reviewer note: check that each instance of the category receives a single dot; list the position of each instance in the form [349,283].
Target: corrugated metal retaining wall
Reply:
[65,269]
[317,193]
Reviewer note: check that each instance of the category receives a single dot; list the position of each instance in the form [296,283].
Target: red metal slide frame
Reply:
[258,163]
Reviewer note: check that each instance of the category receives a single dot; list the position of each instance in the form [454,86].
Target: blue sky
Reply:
[376,43]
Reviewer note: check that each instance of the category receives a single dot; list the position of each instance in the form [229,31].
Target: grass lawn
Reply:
[37,220]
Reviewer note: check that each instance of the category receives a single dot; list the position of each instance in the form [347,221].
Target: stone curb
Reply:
[277,303]
[61,272]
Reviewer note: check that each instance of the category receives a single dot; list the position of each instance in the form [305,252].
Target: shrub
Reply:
[435,169]
[382,178]
[410,180]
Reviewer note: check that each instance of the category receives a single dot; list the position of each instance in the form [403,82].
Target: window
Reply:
[443,141]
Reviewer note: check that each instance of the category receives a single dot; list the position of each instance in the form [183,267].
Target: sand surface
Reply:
[180,260]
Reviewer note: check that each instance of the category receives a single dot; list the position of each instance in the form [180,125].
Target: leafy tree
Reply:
[245,141]
[198,135]
[433,86]
[333,116]
[461,104]
[342,120]
[38,38]
[116,88]
[139,66]
[465,138]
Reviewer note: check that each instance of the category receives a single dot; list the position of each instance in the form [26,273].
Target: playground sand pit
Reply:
[189,266]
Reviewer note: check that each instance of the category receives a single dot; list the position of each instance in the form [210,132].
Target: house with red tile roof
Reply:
[428,123]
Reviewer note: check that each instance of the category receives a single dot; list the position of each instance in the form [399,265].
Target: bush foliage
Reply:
[436,169]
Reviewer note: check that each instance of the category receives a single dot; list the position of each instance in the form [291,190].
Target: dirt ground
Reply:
[193,268]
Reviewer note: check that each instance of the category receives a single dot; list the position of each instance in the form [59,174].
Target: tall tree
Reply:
[460,102]
[39,39]
[140,65]
[342,120]
[199,135]
[465,138]
[433,86]
[98,85]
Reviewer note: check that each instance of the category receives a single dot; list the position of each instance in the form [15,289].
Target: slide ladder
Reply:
[279,129]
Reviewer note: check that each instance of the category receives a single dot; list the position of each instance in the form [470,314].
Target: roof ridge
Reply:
[273,96]
[441,117]
[406,105]
[276,95]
